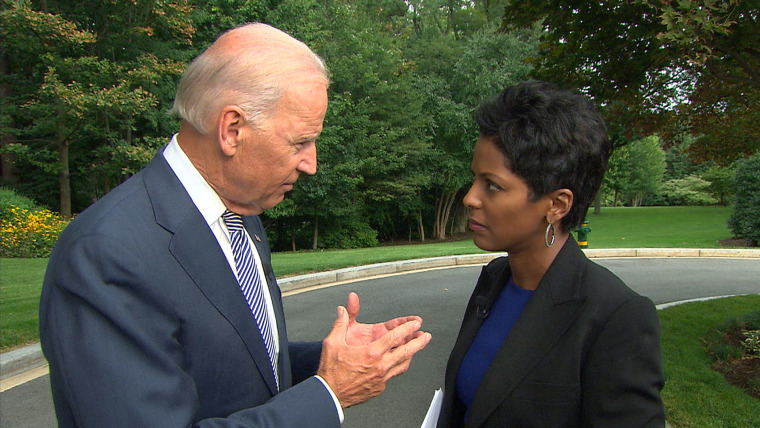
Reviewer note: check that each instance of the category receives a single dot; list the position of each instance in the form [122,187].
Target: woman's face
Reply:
[502,216]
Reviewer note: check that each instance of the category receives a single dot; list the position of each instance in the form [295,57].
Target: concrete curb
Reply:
[30,357]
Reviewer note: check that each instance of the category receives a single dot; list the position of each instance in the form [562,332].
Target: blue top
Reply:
[505,311]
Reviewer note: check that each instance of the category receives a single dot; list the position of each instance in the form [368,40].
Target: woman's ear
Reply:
[229,129]
[560,203]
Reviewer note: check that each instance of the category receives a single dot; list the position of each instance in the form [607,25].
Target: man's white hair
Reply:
[250,67]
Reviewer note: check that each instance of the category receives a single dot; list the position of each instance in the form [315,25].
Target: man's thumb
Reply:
[340,326]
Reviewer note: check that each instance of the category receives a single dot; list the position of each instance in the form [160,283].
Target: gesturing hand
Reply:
[359,372]
[363,334]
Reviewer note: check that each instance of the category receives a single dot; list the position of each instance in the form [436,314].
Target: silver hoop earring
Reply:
[546,235]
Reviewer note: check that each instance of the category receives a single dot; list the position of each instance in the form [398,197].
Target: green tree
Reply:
[657,65]
[721,182]
[744,221]
[457,71]
[89,101]
[636,170]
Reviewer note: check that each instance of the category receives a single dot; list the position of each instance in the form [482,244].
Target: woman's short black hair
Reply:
[551,138]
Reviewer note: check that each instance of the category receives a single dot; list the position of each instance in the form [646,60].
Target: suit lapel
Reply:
[545,319]
[196,249]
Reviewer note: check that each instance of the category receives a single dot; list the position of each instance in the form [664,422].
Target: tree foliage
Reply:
[89,95]
[744,221]
[636,170]
[657,65]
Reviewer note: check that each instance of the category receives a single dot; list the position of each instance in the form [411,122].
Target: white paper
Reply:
[431,418]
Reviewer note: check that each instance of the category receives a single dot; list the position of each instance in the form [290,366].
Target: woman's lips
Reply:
[475,226]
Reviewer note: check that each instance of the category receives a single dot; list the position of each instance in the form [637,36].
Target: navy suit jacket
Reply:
[144,324]
[584,352]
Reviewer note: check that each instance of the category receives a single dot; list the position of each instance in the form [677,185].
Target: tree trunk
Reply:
[316,233]
[598,202]
[447,212]
[293,240]
[443,213]
[6,159]
[64,178]
[420,225]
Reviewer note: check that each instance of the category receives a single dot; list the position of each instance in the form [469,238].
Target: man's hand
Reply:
[363,334]
[359,372]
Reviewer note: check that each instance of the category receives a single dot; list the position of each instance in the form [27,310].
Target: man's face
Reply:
[270,158]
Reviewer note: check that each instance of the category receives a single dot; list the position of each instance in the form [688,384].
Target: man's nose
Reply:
[308,164]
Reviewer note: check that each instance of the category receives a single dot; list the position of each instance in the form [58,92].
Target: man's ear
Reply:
[560,203]
[229,129]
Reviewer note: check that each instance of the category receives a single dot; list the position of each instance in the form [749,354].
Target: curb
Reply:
[30,357]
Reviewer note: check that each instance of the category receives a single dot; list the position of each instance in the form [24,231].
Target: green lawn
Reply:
[694,395]
[659,227]
[645,227]
[19,301]
[695,227]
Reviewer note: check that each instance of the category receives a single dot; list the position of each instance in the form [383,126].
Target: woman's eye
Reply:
[493,186]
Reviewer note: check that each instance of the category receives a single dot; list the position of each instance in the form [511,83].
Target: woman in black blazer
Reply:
[549,338]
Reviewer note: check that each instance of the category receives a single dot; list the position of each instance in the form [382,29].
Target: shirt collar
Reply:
[203,196]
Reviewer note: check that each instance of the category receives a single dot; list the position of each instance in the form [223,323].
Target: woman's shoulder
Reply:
[606,288]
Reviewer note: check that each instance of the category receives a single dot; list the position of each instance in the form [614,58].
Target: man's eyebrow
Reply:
[307,138]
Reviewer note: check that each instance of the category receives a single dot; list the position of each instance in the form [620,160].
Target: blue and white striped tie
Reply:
[250,283]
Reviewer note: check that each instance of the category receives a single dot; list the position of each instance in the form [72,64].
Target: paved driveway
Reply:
[439,296]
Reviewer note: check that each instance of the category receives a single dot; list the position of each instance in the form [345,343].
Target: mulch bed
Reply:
[735,242]
[742,372]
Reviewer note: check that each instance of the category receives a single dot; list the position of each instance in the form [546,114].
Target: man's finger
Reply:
[352,306]
[340,326]
[403,354]
[391,324]
[398,335]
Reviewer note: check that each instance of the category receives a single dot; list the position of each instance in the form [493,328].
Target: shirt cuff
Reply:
[334,397]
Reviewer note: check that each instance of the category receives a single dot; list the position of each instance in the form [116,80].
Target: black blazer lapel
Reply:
[549,313]
[193,242]
[490,283]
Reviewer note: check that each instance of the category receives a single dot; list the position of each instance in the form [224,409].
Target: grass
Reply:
[292,263]
[660,227]
[19,301]
[644,227]
[694,394]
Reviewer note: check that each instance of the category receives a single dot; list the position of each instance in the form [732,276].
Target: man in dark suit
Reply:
[142,318]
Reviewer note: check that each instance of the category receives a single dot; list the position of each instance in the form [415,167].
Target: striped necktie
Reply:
[250,283]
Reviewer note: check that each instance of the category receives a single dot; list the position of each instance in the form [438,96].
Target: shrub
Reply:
[27,230]
[689,190]
[9,197]
[752,342]
[744,221]
[352,233]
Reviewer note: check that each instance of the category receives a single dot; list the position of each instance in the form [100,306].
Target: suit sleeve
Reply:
[111,338]
[623,376]
[304,359]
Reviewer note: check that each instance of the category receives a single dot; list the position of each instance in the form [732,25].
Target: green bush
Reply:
[752,342]
[745,221]
[27,229]
[690,190]
[9,197]
[349,234]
